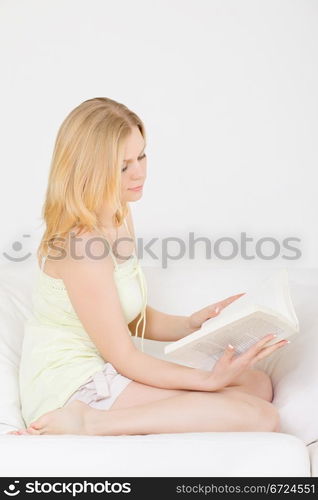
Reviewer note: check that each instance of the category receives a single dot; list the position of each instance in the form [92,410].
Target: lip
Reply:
[138,188]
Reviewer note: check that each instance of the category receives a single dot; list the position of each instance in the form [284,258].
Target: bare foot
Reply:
[18,432]
[69,419]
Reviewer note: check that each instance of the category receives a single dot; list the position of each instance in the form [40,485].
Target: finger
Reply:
[214,310]
[228,353]
[228,300]
[236,296]
[255,348]
[224,303]
[268,350]
[231,299]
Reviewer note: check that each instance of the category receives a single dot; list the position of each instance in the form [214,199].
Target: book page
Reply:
[265,309]
[241,334]
[273,293]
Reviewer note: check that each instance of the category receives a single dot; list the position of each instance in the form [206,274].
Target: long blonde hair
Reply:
[86,169]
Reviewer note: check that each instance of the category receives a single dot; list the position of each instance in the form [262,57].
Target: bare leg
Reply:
[190,412]
[253,382]
[194,411]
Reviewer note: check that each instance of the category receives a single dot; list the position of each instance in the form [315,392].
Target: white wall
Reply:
[227,90]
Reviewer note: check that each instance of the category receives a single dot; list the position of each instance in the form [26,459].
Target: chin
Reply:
[135,194]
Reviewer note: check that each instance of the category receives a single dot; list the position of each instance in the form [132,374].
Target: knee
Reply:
[256,382]
[263,384]
[267,417]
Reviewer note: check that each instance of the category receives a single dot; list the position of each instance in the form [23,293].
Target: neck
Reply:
[106,217]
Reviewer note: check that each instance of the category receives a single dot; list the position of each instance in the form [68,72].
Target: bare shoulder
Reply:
[88,250]
[86,244]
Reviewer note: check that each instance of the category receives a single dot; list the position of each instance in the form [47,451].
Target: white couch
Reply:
[179,289]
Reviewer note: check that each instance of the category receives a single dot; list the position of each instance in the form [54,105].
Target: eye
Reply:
[140,158]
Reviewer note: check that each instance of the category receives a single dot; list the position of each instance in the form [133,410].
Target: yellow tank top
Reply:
[57,353]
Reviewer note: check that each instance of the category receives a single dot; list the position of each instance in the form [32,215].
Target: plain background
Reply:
[227,90]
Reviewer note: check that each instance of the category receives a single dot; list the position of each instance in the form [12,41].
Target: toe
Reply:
[37,424]
[32,430]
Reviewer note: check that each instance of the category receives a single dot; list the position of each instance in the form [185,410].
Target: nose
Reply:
[137,171]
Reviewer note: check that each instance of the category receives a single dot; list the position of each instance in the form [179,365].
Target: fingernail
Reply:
[230,346]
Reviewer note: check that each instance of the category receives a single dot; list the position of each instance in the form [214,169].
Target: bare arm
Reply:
[149,370]
[93,293]
[162,326]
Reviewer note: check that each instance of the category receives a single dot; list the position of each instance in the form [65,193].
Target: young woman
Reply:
[78,358]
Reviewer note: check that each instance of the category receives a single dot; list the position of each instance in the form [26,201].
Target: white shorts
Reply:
[101,389]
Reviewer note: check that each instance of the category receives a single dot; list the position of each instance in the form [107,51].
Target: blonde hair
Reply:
[86,169]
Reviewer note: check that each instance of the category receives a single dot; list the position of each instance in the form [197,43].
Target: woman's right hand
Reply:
[229,366]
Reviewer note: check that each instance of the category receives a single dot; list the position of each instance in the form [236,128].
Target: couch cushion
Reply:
[206,454]
[294,368]
[313,454]
[15,306]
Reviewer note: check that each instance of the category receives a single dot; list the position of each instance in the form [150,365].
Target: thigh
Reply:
[136,394]
[251,383]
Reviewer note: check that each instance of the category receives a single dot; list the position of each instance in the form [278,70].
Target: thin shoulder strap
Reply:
[112,253]
[110,249]
[110,246]
[43,262]
[143,315]
[125,221]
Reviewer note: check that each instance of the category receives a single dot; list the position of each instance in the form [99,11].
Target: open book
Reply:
[266,309]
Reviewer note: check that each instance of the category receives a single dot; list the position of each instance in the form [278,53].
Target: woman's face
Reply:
[133,170]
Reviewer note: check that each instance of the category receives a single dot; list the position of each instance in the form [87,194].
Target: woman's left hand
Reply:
[197,318]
